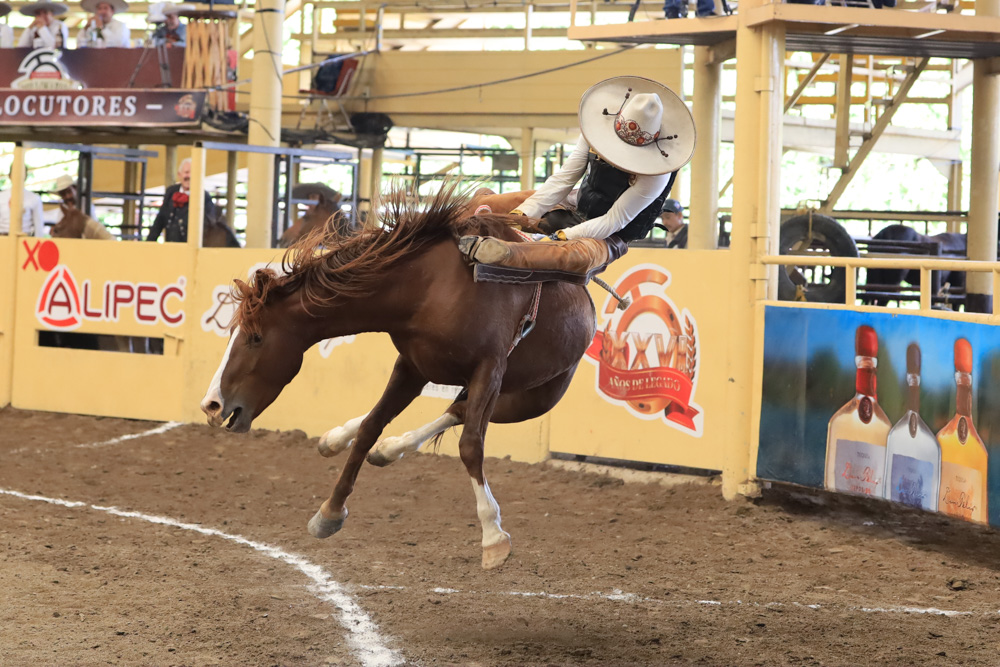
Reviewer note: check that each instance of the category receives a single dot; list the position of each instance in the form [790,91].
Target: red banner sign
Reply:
[660,388]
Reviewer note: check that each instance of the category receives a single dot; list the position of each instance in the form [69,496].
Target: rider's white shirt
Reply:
[6,36]
[639,195]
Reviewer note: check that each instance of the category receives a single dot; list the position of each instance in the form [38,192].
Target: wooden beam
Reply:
[869,143]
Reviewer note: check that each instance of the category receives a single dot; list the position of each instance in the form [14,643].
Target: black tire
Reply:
[827,234]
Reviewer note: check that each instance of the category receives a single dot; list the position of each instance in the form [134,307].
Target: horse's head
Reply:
[73,222]
[268,340]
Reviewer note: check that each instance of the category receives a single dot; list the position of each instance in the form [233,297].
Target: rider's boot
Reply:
[580,256]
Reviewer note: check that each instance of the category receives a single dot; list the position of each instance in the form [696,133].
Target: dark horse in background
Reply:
[407,278]
[951,245]
[326,207]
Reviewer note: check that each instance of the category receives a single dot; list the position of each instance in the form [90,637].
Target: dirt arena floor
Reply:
[604,572]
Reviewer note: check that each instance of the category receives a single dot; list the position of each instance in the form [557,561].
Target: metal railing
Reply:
[925,266]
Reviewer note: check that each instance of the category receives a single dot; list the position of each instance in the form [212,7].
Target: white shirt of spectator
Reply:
[31,220]
[114,34]
[6,36]
[45,36]
[640,194]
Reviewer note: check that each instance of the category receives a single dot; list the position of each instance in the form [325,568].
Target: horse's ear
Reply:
[263,280]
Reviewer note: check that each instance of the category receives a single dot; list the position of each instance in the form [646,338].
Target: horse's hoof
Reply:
[320,526]
[496,554]
[331,446]
[377,458]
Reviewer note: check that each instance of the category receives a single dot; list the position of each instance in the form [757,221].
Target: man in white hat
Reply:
[69,192]
[169,31]
[636,134]
[45,31]
[102,29]
[31,214]
[6,32]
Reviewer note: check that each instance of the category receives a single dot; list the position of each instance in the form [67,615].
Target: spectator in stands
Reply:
[69,192]
[672,219]
[45,30]
[678,9]
[102,29]
[6,32]
[169,30]
[31,218]
[172,220]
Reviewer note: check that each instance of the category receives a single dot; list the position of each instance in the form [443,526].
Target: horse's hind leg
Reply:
[404,385]
[392,449]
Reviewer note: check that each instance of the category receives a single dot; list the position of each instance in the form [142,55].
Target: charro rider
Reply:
[627,159]
[45,30]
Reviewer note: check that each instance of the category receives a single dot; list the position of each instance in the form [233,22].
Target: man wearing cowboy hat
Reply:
[172,219]
[6,32]
[45,31]
[103,29]
[67,190]
[636,134]
[169,30]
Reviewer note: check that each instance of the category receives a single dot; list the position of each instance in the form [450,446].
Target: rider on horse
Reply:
[628,159]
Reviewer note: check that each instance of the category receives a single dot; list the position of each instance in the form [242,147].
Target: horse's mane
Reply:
[329,263]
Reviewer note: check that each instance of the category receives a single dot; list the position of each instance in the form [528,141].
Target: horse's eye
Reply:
[256,339]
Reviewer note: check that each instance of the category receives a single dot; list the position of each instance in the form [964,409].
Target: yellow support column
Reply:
[196,205]
[760,54]
[232,180]
[265,118]
[985,163]
[169,165]
[703,208]
[527,153]
[8,277]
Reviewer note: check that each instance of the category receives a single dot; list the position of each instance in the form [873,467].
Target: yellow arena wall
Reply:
[7,282]
[342,379]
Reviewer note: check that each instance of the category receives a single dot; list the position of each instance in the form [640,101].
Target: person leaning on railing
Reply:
[102,29]
[45,31]
[172,219]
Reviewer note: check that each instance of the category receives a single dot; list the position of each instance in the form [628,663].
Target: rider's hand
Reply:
[558,236]
[517,211]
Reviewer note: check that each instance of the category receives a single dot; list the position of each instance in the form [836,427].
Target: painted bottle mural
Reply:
[856,436]
[963,455]
[913,456]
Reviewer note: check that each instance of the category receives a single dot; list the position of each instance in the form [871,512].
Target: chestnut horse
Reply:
[406,279]
[75,224]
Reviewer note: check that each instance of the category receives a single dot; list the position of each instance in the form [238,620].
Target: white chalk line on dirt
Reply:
[163,428]
[621,596]
[363,635]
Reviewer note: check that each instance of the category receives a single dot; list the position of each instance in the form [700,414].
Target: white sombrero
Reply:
[64,182]
[637,125]
[91,5]
[57,8]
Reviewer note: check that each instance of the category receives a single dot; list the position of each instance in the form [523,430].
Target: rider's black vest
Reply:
[601,188]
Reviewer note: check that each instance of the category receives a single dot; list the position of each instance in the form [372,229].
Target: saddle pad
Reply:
[492,273]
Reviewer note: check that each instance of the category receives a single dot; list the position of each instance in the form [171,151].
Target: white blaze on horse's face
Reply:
[213,405]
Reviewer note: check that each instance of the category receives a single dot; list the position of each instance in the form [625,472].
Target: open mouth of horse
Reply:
[235,425]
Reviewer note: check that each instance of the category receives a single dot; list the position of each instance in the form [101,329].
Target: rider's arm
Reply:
[557,186]
[638,196]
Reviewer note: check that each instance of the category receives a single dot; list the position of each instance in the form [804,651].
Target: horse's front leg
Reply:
[404,385]
[483,392]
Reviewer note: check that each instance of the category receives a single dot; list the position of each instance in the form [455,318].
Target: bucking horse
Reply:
[406,277]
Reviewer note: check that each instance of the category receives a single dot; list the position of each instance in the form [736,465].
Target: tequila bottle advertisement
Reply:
[890,406]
